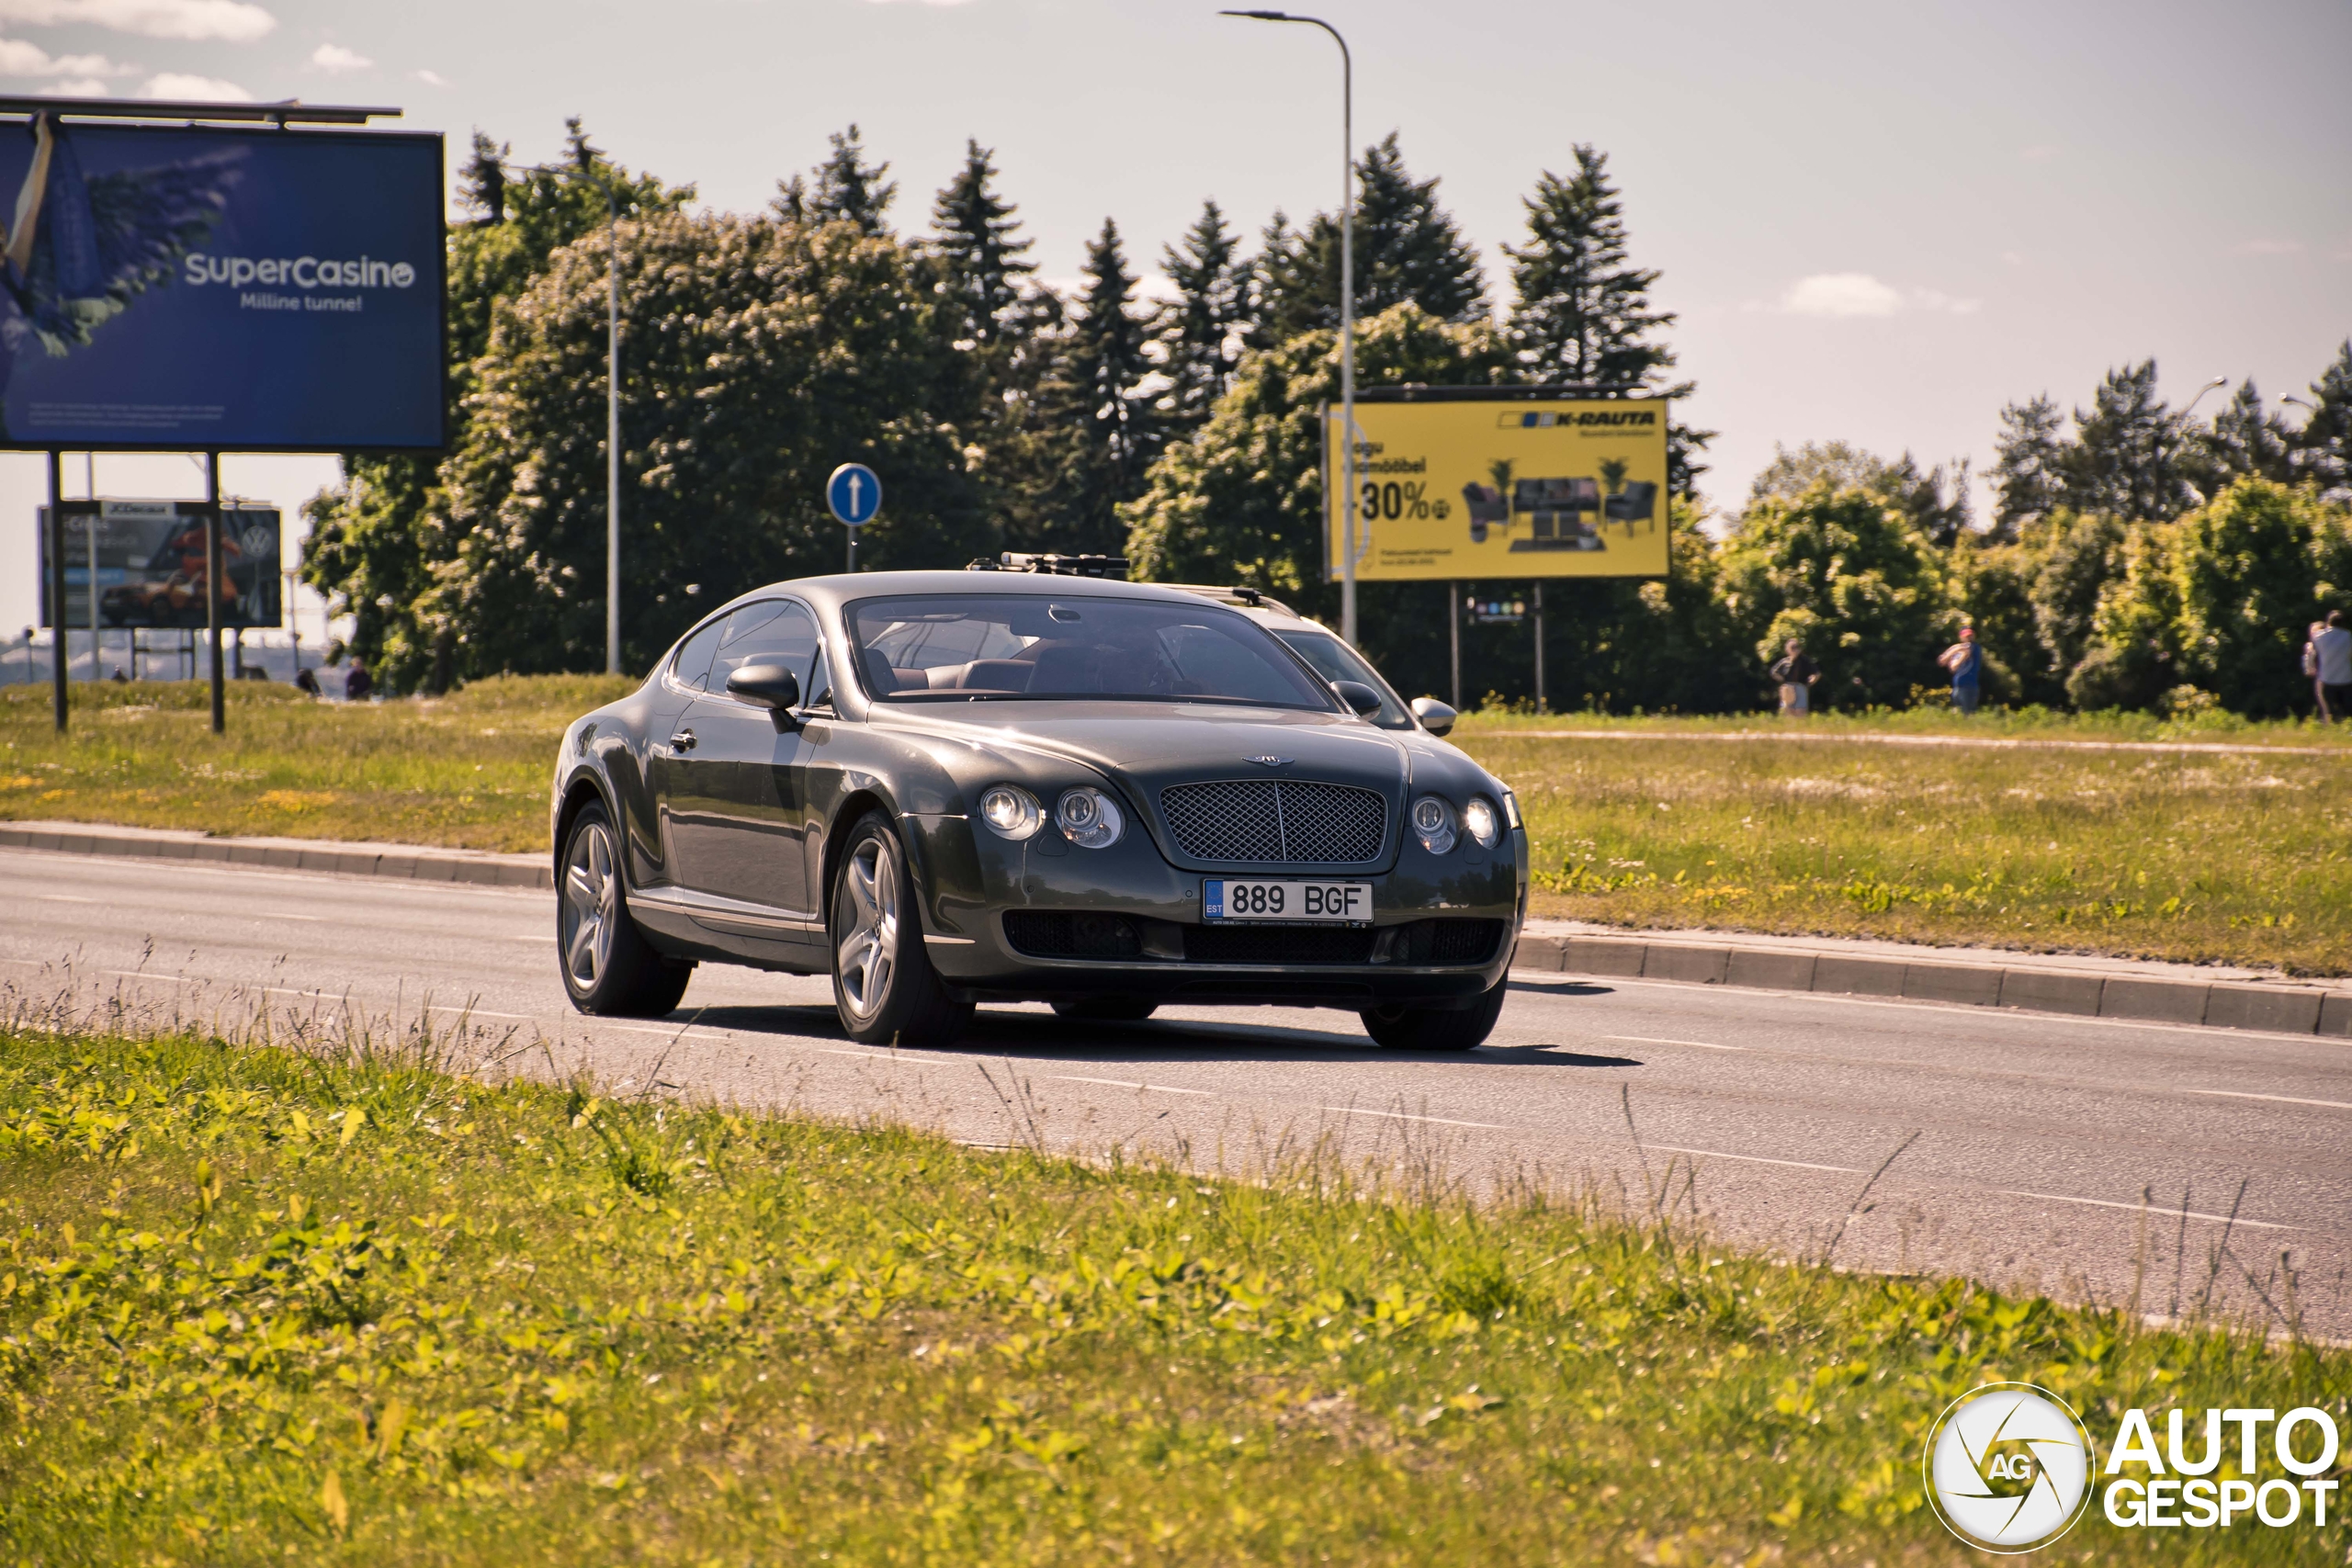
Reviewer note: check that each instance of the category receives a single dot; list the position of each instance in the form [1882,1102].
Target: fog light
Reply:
[1433,824]
[1089,819]
[1479,818]
[1013,811]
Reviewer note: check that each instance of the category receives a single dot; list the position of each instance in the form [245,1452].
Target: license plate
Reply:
[1334,903]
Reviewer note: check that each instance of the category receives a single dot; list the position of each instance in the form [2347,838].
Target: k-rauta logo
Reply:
[2008,1467]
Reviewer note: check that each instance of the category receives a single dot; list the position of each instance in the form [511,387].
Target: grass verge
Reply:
[258,1305]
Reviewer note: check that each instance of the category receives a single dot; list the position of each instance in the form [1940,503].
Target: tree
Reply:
[772,351]
[978,247]
[2076,555]
[2247,576]
[376,536]
[1097,399]
[2029,481]
[2244,439]
[2123,460]
[845,189]
[2323,448]
[1583,313]
[1847,573]
[1936,504]
[1406,249]
[1202,330]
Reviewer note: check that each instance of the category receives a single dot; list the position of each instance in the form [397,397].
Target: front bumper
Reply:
[1043,919]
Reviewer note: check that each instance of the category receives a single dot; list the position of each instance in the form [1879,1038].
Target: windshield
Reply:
[1335,660]
[1008,647]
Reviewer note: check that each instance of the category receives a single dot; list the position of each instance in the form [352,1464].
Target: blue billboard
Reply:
[197,288]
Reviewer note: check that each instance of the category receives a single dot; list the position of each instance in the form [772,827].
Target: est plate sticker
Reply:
[1343,903]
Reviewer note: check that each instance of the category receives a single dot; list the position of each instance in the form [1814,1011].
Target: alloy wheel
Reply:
[868,949]
[591,904]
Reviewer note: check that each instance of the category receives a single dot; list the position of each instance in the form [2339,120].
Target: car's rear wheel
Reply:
[1108,1009]
[608,966]
[884,986]
[1433,1029]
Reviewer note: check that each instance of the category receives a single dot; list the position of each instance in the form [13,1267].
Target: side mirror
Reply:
[766,685]
[1362,698]
[1434,716]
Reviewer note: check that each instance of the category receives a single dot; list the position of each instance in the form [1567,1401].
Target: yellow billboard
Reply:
[1500,487]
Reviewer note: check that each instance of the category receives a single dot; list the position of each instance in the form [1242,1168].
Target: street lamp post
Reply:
[1347,313]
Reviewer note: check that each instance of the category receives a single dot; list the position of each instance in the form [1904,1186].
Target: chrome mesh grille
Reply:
[1276,821]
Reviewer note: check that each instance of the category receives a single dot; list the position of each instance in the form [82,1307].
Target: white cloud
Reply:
[1838,295]
[335,57]
[194,89]
[232,21]
[18,58]
[81,87]
[431,78]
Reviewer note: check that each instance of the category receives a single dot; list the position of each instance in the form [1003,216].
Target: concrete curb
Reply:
[2083,991]
[398,861]
[2284,1009]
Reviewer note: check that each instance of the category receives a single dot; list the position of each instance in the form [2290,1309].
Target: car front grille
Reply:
[1276,821]
[1059,933]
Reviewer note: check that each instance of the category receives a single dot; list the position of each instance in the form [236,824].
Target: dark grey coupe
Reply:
[946,788]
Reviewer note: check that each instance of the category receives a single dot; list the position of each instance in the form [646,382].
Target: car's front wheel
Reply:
[608,966]
[1433,1029]
[884,986]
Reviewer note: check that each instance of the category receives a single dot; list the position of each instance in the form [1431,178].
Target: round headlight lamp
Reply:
[1479,818]
[1013,812]
[1089,819]
[1432,821]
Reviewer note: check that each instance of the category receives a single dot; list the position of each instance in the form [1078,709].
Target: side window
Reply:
[775,631]
[694,659]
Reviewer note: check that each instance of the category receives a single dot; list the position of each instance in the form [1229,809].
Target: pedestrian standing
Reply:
[1966,663]
[358,683]
[2331,658]
[1797,673]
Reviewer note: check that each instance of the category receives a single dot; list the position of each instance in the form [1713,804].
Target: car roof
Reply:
[846,588]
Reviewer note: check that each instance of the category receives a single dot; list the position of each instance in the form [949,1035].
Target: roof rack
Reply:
[1055,566]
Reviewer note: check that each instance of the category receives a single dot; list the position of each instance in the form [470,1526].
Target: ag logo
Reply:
[2008,1467]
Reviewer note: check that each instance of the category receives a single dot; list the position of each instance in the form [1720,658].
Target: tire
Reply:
[608,967]
[884,986]
[1433,1029]
[1108,1009]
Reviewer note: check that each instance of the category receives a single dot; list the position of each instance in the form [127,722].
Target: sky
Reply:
[1876,223]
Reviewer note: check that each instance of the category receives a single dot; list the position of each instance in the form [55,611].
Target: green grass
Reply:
[1935,717]
[2237,857]
[258,1305]
[470,771]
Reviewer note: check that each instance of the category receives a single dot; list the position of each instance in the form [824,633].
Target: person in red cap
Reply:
[1966,663]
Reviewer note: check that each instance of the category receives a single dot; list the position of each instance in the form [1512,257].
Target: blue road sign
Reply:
[854,494]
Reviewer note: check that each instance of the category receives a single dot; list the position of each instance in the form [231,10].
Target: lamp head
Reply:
[1261,16]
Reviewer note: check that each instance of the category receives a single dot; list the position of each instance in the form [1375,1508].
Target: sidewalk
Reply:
[2212,996]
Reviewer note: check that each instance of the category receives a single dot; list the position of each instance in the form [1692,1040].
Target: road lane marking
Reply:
[285,915]
[1753,1159]
[2279,1099]
[517,936]
[1123,1083]
[63,898]
[1652,1040]
[2159,1210]
[687,1033]
[1400,1116]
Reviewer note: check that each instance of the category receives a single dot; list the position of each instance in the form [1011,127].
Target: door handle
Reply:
[683,741]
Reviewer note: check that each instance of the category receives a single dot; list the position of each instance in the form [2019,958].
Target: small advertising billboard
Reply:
[1466,489]
[151,571]
[189,287]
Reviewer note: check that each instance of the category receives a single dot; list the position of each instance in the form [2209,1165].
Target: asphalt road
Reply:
[2036,1137]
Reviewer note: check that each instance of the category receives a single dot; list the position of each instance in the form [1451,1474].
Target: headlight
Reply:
[1433,824]
[1013,811]
[1510,811]
[1480,819]
[1089,819]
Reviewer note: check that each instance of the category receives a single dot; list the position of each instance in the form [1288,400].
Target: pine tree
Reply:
[846,188]
[2027,470]
[1200,331]
[2322,452]
[1407,248]
[1096,403]
[481,184]
[2244,438]
[977,248]
[1583,313]
[2123,459]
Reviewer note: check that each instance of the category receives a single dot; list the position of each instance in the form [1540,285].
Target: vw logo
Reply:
[2008,1467]
[1269,761]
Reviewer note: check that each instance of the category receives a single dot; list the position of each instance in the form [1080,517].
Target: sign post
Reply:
[855,493]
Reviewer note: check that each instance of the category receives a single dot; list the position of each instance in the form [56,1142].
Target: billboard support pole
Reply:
[56,593]
[212,585]
[1540,706]
[1454,636]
